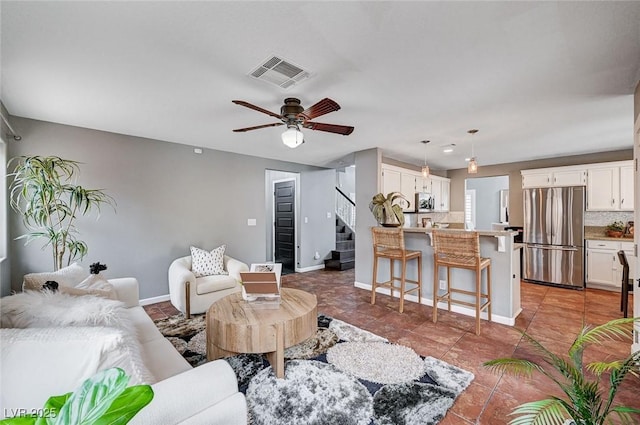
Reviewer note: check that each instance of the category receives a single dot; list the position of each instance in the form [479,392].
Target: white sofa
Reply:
[193,295]
[39,362]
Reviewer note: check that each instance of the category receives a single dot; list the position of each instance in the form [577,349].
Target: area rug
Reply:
[342,375]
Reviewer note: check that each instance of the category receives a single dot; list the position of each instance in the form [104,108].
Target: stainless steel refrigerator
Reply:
[553,235]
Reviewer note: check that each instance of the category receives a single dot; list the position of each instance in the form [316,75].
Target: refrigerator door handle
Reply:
[553,248]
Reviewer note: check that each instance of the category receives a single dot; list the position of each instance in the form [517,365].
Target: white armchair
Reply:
[195,295]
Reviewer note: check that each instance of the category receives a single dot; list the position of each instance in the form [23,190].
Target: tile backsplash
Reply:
[602,218]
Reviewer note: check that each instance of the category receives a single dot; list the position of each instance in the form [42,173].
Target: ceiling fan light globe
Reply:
[292,137]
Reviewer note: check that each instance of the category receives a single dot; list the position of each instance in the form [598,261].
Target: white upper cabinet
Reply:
[626,187]
[390,181]
[610,186]
[409,182]
[550,177]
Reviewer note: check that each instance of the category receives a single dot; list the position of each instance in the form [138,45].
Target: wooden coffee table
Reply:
[234,326]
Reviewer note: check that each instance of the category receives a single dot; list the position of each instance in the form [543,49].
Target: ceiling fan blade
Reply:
[240,130]
[331,128]
[256,108]
[325,106]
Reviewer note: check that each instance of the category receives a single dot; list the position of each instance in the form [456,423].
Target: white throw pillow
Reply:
[205,263]
[94,284]
[66,276]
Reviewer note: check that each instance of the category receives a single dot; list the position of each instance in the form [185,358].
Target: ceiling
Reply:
[538,79]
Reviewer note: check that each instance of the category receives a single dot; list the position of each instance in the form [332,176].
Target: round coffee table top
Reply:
[237,326]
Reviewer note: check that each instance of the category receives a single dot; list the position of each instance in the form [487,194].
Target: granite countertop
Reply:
[598,233]
[480,232]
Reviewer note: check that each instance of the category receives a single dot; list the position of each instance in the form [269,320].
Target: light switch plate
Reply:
[328,215]
[251,222]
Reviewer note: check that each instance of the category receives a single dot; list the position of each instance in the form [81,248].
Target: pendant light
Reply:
[425,167]
[472,167]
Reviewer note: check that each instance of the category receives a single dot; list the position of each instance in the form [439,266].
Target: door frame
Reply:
[635,346]
[295,218]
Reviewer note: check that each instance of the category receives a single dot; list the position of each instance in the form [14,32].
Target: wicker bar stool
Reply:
[389,243]
[460,249]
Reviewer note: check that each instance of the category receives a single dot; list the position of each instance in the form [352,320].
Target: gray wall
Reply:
[459,176]
[487,199]
[367,183]
[168,199]
[636,103]
[346,181]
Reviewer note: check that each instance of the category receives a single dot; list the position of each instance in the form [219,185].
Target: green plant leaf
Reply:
[542,412]
[127,405]
[87,404]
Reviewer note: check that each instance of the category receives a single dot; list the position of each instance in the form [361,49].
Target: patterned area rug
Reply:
[342,375]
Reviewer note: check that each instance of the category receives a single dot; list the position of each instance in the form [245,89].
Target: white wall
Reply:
[168,199]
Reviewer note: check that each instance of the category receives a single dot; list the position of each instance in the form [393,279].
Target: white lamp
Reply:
[292,137]
[472,166]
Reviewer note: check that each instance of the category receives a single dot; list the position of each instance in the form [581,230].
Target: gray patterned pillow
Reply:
[205,263]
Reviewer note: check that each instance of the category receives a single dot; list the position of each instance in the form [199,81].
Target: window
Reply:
[470,209]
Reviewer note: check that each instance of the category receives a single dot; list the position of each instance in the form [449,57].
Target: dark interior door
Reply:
[284,232]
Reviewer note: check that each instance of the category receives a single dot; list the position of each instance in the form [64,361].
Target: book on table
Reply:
[261,288]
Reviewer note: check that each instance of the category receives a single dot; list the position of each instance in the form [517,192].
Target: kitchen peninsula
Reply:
[497,245]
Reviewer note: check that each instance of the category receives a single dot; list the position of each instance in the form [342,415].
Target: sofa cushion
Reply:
[205,263]
[207,284]
[37,363]
[66,276]
[162,359]
[143,325]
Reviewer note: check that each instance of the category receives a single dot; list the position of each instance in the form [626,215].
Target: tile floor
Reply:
[551,315]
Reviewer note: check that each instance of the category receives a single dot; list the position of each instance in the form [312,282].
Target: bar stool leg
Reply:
[489,291]
[448,288]
[478,298]
[374,279]
[420,279]
[435,292]
[403,277]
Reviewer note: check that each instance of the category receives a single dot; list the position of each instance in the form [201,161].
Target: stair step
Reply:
[345,245]
[339,265]
[341,229]
[347,254]
[344,236]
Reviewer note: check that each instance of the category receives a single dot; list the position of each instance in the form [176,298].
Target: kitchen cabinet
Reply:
[440,190]
[408,182]
[604,270]
[550,177]
[391,181]
[610,187]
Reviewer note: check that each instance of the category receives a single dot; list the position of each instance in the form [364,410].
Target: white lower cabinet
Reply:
[604,270]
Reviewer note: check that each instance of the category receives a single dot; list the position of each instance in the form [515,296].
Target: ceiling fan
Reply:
[293,115]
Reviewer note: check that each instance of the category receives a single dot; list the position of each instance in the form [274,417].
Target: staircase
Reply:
[344,256]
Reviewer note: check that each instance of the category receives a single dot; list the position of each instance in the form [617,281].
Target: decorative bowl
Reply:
[442,225]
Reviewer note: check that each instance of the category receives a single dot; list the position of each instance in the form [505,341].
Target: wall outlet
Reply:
[316,256]
[443,284]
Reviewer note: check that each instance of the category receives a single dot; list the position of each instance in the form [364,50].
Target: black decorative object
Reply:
[51,285]
[96,268]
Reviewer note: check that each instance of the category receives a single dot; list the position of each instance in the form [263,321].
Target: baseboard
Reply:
[509,321]
[154,300]
[310,268]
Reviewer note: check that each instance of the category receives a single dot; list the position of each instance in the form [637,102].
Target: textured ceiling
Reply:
[538,79]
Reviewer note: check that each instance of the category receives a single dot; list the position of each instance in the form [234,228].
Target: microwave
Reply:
[425,202]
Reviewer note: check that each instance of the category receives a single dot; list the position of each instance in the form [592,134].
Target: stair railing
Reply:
[346,209]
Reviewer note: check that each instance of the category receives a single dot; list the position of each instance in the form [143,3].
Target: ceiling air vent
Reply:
[279,72]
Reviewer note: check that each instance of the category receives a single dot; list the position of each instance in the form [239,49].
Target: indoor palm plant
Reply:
[388,209]
[44,192]
[588,401]
[103,399]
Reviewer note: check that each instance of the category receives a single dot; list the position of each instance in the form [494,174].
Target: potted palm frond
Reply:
[388,209]
[588,400]
[44,192]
